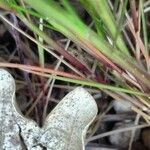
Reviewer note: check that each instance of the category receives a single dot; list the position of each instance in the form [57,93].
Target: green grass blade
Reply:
[95,85]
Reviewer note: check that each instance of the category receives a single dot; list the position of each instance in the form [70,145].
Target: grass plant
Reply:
[128,68]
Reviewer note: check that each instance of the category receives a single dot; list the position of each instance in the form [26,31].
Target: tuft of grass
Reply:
[126,71]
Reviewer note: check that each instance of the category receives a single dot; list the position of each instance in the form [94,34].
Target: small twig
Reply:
[134,14]
[52,84]
[36,68]
[133,132]
[137,39]
[117,131]
[145,116]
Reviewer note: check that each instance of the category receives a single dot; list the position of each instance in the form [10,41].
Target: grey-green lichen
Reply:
[64,128]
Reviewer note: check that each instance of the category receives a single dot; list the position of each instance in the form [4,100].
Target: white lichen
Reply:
[122,106]
[64,128]
[122,139]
